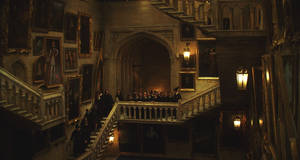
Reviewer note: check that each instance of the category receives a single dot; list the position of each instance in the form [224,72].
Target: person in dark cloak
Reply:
[108,102]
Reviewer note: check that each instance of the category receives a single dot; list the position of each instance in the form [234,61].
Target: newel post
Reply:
[179,110]
[43,107]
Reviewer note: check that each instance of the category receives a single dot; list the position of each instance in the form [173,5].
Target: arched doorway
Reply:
[144,65]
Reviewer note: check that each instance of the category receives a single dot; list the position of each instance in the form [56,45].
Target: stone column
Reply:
[4,15]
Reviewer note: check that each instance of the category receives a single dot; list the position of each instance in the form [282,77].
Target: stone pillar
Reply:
[110,75]
[4,14]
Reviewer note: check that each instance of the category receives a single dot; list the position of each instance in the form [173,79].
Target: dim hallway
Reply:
[149,79]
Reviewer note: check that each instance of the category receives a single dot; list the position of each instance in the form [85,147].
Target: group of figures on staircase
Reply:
[91,121]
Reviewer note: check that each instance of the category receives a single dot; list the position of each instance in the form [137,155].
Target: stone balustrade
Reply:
[151,112]
[29,101]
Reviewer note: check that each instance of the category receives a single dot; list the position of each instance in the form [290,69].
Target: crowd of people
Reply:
[101,108]
[156,96]
[91,121]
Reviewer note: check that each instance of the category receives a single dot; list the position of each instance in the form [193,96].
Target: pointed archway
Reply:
[144,64]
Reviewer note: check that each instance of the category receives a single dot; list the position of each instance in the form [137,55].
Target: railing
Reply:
[200,102]
[148,111]
[162,112]
[47,107]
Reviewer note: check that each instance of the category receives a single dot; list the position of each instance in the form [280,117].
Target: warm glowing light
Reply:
[242,79]
[111,139]
[237,123]
[251,122]
[261,122]
[267,76]
[186,55]
[187,52]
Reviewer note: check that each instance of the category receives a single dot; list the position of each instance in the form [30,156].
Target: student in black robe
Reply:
[76,138]
[177,95]
[119,96]
[108,102]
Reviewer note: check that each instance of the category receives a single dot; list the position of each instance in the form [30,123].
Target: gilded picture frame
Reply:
[73,97]
[70,59]
[84,35]
[187,80]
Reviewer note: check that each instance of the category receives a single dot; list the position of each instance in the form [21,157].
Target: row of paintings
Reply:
[207,60]
[48,15]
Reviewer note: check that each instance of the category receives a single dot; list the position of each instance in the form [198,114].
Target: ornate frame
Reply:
[61,60]
[181,76]
[67,84]
[26,50]
[76,59]
[84,55]
[92,73]
[68,15]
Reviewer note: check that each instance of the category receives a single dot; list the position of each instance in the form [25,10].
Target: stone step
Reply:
[22,112]
[15,108]
[158,3]
[27,115]
[38,121]
[166,8]
[186,17]
[7,106]
[2,102]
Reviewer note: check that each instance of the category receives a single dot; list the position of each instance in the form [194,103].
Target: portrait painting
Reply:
[98,37]
[87,75]
[187,81]
[70,60]
[85,36]
[19,24]
[38,73]
[72,93]
[40,15]
[56,15]
[207,59]
[53,65]
[70,28]
[187,31]
[38,46]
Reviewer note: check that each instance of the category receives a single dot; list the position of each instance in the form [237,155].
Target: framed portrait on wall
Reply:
[72,95]
[87,75]
[207,59]
[187,81]
[187,31]
[56,15]
[19,26]
[85,35]
[53,62]
[70,60]
[40,15]
[70,28]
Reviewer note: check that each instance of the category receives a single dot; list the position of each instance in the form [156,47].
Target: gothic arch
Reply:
[149,35]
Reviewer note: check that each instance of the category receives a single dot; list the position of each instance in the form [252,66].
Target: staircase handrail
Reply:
[114,115]
[199,94]
[21,83]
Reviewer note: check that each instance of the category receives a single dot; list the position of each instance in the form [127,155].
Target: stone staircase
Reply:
[28,104]
[149,112]
[196,12]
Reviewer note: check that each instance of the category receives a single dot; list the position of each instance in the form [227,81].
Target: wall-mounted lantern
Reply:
[267,75]
[187,52]
[260,122]
[111,139]
[237,122]
[242,78]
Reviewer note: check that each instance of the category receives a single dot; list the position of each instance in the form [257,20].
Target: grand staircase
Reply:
[200,13]
[30,105]
[150,112]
